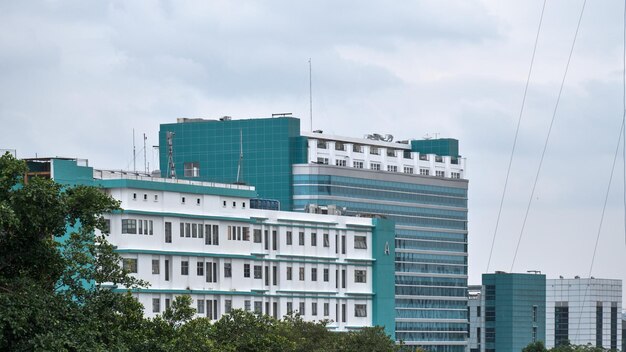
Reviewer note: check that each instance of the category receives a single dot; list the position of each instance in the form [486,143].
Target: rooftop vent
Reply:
[225,118]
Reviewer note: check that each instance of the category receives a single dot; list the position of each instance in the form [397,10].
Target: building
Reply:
[419,184]
[584,311]
[507,312]
[203,239]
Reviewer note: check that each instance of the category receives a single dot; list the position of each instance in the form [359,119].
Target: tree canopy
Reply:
[55,274]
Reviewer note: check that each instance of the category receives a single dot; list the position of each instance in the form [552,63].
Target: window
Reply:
[490,313]
[313,239]
[343,313]
[326,240]
[340,146]
[246,305]
[182,200]
[301,273]
[155,267]
[234,204]
[357,164]
[374,151]
[258,272]
[129,226]
[289,238]
[313,274]
[168,232]
[197,201]
[224,204]
[343,244]
[424,172]
[289,307]
[228,269]
[321,144]
[246,270]
[267,239]
[200,305]
[274,275]
[360,310]
[167,270]
[392,168]
[258,307]
[134,196]
[408,169]
[192,169]
[375,166]
[360,242]
[130,265]
[357,148]
[156,197]
[424,157]
[246,233]
[440,173]
[321,160]
[455,175]
[478,311]
[156,305]
[200,268]
[256,233]
[302,310]
[182,229]
[216,235]
[200,231]
[145,196]
[326,309]
[391,152]
[534,314]
[326,275]
[407,154]
[360,276]
[187,230]
[341,162]
[243,205]
[107,226]
[274,240]
[184,267]
[438,159]
[289,274]
[343,278]
[301,238]
[194,230]
[228,305]
[314,308]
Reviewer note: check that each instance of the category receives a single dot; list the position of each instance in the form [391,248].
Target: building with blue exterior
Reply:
[205,240]
[419,184]
[507,312]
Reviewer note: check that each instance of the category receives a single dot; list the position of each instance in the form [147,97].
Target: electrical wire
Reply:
[545,146]
[519,120]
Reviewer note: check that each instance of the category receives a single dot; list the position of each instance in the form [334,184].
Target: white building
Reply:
[584,311]
[202,239]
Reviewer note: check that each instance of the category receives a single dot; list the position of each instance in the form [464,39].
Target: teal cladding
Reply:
[509,302]
[441,146]
[270,147]
[176,187]
[68,172]
[383,251]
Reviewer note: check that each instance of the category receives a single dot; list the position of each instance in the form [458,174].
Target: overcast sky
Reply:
[77,76]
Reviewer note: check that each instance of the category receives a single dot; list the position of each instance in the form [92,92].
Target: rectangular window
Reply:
[289,238]
[407,154]
[336,243]
[313,239]
[374,150]
[326,275]
[321,144]
[340,146]
[155,267]
[490,313]
[274,275]
[168,232]
[534,313]
[455,175]
[301,238]
[326,309]
[343,312]
[343,278]
[267,276]
[216,235]
[289,307]
[391,152]
[194,230]
[140,227]
[207,239]
[200,305]
[129,226]
[326,240]
[107,226]
[184,267]
[182,229]
[478,311]
[167,270]
[490,335]
[258,307]
[130,265]
[228,270]
[274,240]
[228,305]
[192,169]
[246,270]
[200,231]
[340,162]
[360,310]
[156,305]
[257,235]
[392,168]
[182,200]
[313,274]
[289,272]
[357,164]
[614,326]
[357,148]
[314,308]
[360,242]
[321,160]
[187,229]
[258,272]
[246,305]
[424,172]
[301,273]
[343,244]
[375,166]
[302,310]
[360,276]
[209,309]
[440,173]
[408,169]
[200,268]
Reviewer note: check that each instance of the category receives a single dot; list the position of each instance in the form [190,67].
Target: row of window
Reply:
[390,168]
[137,226]
[358,148]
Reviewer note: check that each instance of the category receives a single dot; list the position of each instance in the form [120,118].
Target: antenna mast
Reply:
[310,96]
[240,164]
[134,153]
[145,167]
[170,155]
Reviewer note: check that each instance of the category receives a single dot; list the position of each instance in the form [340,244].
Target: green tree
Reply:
[535,347]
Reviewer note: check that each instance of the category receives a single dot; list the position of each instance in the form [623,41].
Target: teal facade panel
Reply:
[383,283]
[441,146]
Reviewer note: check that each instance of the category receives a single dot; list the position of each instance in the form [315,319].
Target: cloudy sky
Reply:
[77,76]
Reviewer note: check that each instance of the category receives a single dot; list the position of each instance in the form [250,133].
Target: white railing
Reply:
[130,175]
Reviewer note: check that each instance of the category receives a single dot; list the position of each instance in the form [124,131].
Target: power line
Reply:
[545,146]
[519,120]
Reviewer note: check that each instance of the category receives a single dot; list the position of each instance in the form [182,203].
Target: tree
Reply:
[535,347]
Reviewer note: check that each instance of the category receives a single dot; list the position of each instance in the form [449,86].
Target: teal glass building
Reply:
[418,184]
[514,310]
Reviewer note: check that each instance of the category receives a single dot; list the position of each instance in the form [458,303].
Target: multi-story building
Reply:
[419,184]
[584,311]
[507,312]
[204,239]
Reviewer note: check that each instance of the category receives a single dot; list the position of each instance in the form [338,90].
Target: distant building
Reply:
[584,311]
[507,312]
[419,184]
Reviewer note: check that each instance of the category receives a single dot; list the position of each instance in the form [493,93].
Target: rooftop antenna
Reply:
[134,153]
[240,164]
[145,166]
[170,155]
[310,96]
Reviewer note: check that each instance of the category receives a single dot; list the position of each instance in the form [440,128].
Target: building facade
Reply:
[584,311]
[203,239]
[507,312]
[419,184]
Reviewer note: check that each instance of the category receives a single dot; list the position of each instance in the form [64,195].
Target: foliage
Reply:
[539,347]
[56,271]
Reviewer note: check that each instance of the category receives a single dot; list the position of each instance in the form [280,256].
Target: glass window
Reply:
[289,274]
[130,265]
[289,238]
[258,272]
[321,144]
[246,305]
[301,238]
[200,268]
[168,232]
[375,166]
[302,310]
[391,152]
[340,146]
[374,150]
[313,239]
[360,276]
[408,169]
[360,310]
[155,266]
[228,305]
[360,242]
[326,240]
[357,148]
[326,309]
[156,305]
[129,226]
[228,269]
[200,305]
[246,270]
[258,307]
[257,235]
[301,273]
[184,267]
[192,169]
[357,164]
[313,274]
[326,271]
